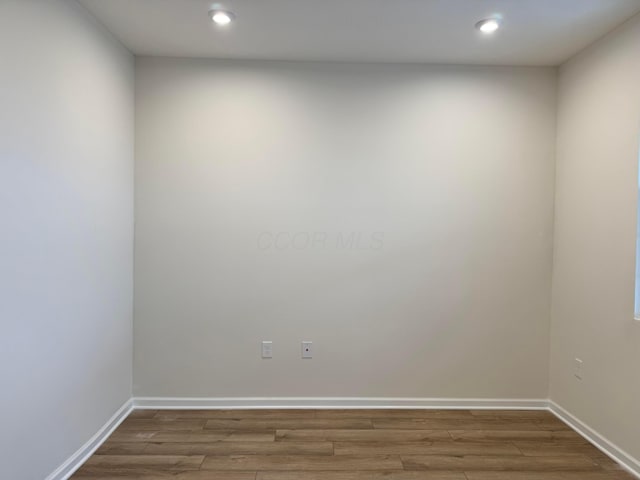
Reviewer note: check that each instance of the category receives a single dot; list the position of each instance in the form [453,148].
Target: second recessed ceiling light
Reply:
[221,17]
[488,25]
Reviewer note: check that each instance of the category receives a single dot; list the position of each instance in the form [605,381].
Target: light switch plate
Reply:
[267,349]
[577,368]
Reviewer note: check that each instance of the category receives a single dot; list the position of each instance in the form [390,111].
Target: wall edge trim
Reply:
[606,446]
[77,459]
[185,403]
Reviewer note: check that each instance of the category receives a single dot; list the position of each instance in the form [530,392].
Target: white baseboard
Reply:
[183,403]
[607,447]
[75,461]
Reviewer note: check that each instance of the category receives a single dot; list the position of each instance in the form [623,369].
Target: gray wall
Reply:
[250,179]
[595,238]
[66,204]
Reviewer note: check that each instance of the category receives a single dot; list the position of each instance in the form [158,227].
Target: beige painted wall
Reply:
[66,242]
[595,238]
[250,178]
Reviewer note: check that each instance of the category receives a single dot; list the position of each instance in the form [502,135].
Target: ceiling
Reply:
[535,32]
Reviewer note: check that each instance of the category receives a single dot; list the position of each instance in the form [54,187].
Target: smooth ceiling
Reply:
[536,32]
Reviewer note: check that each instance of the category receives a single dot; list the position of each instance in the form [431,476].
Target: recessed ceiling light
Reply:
[221,17]
[488,25]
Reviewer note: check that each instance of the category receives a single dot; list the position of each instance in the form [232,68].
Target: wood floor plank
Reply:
[552,423]
[134,466]
[241,448]
[121,448]
[394,413]
[156,474]
[152,424]
[237,414]
[545,420]
[604,461]
[301,462]
[204,436]
[425,448]
[142,414]
[275,424]
[513,414]
[497,463]
[168,462]
[131,436]
[362,435]
[546,449]
[454,424]
[600,475]
[524,435]
[355,475]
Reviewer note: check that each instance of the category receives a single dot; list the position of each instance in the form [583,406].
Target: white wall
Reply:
[595,238]
[445,172]
[66,204]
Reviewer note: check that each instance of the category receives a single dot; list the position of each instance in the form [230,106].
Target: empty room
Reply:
[320,239]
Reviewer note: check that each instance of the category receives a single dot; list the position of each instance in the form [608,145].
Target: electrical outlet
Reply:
[267,349]
[307,349]
[577,368]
